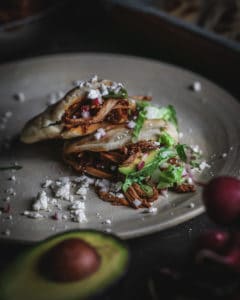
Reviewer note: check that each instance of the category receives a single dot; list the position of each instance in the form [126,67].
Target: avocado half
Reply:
[24,281]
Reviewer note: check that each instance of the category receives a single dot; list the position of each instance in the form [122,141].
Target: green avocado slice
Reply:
[126,170]
[23,281]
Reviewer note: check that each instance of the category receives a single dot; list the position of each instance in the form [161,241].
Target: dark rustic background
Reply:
[75,26]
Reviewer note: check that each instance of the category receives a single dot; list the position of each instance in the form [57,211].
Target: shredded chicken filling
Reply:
[87,111]
[105,165]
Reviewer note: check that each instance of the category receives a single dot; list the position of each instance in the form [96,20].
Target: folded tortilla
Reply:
[83,154]
[63,120]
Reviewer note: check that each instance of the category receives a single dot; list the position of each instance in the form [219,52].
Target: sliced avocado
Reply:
[24,280]
[126,170]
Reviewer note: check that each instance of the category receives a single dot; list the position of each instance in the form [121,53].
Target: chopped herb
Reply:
[170,115]
[170,176]
[127,183]
[195,163]
[139,124]
[181,152]
[10,168]
[142,104]
[122,94]
[161,156]
[166,139]
[140,119]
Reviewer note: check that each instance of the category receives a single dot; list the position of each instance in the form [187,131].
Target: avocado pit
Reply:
[70,260]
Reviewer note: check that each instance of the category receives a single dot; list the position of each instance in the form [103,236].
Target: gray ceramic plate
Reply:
[209,118]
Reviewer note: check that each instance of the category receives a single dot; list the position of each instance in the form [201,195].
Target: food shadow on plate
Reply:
[46,150]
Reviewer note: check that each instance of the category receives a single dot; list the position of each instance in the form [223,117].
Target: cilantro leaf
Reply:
[181,152]
[139,124]
[166,139]
[170,115]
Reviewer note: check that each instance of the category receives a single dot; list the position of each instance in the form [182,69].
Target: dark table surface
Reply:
[82,30]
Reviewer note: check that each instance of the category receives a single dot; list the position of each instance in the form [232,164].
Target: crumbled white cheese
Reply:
[191,205]
[133,101]
[189,180]
[84,180]
[47,183]
[13,178]
[224,155]
[203,165]
[107,222]
[62,190]
[152,210]
[94,79]
[41,202]
[82,191]
[65,217]
[98,215]
[78,83]
[7,232]
[11,191]
[137,202]
[64,179]
[104,90]
[119,195]
[116,87]
[8,114]
[10,217]
[195,148]
[77,205]
[115,186]
[93,94]
[151,112]
[131,124]
[102,183]
[180,135]
[19,97]
[99,133]
[113,168]
[53,201]
[197,86]
[32,214]
[85,114]
[79,216]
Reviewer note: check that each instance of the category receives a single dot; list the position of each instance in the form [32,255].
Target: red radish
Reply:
[214,240]
[220,247]
[221,197]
